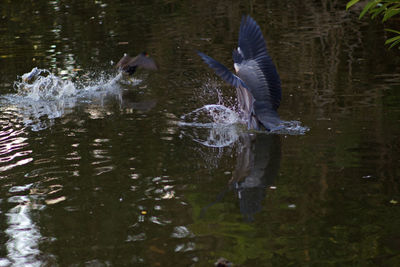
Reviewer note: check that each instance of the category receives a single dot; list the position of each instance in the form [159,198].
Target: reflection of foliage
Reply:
[385,8]
[351,226]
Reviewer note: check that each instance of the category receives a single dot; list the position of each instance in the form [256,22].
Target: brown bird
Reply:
[128,65]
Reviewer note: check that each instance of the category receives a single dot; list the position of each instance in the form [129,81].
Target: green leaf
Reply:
[394,44]
[377,11]
[351,3]
[391,40]
[390,30]
[390,13]
[368,7]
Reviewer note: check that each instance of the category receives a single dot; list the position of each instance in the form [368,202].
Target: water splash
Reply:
[217,137]
[209,116]
[41,96]
[211,92]
[290,128]
[41,84]
[212,125]
[220,126]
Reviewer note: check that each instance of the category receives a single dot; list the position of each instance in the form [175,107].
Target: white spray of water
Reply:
[42,96]
[212,125]
[222,124]
[210,116]
[41,84]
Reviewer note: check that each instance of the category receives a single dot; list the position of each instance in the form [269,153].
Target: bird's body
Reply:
[257,82]
[129,65]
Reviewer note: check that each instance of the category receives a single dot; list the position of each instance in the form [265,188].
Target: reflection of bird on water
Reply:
[257,165]
[129,65]
[257,82]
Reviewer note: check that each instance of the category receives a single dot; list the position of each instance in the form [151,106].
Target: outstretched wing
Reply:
[123,61]
[244,96]
[143,61]
[255,67]
[222,71]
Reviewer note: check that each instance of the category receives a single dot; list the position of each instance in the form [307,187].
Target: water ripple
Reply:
[23,245]
[13,142]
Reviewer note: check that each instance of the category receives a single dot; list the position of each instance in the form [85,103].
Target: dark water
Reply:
[106,173]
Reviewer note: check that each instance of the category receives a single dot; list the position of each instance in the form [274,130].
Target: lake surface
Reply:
[97,171]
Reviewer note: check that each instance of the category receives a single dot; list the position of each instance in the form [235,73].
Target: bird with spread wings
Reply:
[257,81]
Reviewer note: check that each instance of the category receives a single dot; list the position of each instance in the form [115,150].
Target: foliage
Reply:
[385,8]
